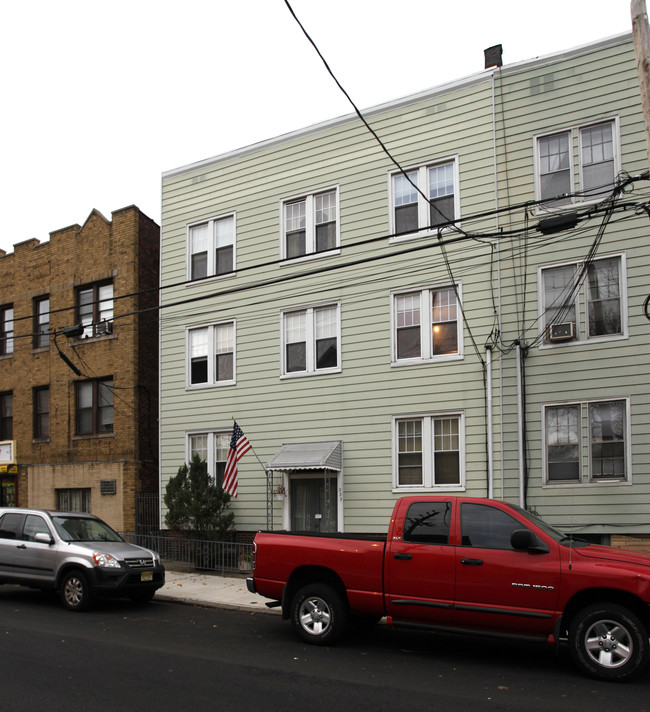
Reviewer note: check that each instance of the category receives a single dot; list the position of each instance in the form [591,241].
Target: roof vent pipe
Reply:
[493,56]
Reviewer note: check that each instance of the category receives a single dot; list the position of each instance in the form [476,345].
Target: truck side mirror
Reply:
[43,538]
[525,540]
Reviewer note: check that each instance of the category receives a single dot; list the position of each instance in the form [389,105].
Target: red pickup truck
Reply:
[465,565]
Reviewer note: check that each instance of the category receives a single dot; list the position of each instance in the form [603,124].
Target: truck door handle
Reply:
[403,556]
[21,546]
[472,562]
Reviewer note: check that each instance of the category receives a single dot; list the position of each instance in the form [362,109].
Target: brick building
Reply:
[79,406]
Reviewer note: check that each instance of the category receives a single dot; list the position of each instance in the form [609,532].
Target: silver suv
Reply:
[76,554]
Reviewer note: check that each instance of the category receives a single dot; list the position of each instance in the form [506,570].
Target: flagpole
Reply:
[269,486]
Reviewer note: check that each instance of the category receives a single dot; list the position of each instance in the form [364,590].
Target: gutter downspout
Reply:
[490,425]
[520,430]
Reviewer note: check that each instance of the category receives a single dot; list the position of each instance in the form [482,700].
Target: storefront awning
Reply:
[308,456]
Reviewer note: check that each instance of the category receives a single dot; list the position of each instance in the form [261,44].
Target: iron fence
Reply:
[196,554]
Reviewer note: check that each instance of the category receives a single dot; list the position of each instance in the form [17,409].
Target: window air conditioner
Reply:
[104,327]
[561,332]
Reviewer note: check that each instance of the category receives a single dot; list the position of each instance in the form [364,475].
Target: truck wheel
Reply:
[608,642]
[318,614]
[75,591]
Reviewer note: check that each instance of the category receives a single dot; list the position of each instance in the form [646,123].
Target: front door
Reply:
[309,506]
[498,588]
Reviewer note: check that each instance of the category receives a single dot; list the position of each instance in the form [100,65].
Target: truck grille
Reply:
[143,563]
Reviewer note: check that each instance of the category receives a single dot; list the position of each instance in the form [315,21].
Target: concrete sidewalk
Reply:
[212,590]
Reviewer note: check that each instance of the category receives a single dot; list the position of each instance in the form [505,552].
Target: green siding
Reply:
[357,404]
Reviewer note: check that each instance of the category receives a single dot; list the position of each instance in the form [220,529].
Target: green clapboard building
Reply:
[472,321]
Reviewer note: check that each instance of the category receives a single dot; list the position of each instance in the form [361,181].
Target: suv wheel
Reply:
[75,591]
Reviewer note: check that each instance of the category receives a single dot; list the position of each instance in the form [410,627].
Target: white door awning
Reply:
[308,456]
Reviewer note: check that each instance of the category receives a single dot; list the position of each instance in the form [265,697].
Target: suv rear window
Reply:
[10,525]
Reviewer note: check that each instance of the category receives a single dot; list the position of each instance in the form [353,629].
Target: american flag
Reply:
[239,446]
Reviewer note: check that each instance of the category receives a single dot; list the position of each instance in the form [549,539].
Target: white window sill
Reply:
[306,374]
[572,343]
[287,261]
[421,361]
[208,386]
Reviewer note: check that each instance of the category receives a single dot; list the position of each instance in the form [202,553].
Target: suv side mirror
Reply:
[43,538]
[525,540]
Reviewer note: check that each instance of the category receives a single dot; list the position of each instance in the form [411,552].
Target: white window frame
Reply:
[585,468]
[210,223]
[426,335]
[423,205]
[212,441]
[576,172]
[310,224]
[212,353]
[310,341]
[581,327]
[428,459]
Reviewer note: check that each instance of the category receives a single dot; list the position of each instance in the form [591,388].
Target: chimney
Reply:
[493,56]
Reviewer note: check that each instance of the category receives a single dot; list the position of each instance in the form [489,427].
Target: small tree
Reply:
[197,504]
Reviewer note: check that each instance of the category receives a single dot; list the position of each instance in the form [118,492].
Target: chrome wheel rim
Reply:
[609,644]
[73,591]
[315,615]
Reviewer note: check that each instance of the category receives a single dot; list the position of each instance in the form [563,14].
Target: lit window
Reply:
[427,325]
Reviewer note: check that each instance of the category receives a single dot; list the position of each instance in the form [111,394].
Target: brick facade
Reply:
[123,252]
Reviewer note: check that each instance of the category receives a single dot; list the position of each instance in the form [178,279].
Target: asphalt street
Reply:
[168,655]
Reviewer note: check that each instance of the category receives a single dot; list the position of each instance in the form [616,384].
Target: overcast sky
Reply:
[100,98]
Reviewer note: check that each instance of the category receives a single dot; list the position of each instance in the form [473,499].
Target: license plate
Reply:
[146,576]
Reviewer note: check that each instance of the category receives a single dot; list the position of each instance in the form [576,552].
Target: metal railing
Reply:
[196,554]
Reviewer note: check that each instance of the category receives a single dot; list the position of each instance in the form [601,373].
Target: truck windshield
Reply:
[84,529]
[559,536]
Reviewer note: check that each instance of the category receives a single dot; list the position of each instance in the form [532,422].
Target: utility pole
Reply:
[641,33]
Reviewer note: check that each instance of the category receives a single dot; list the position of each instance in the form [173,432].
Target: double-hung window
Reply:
[211,247]
[211,355]
[424,197]
[41,322]
[94,406]
[310,224]
[593,149]
[311,340]
[6,330]
[6,416]
[594,309]
[427,325]
[429,451]
[95,308]
[213,448]
[41,413]
[604,458]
